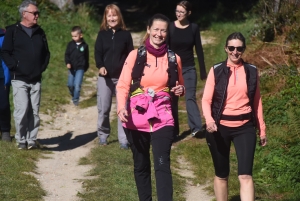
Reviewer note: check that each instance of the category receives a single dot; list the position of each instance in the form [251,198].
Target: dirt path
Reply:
[70,135]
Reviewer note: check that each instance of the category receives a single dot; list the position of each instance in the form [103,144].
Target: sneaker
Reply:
[21,146]
[194,133]
[6,137]
[103,143]
[32,146]
[124,146]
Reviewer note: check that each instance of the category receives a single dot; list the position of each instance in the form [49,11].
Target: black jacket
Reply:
[112,49]
[222,74]
[26,57]
[77,55]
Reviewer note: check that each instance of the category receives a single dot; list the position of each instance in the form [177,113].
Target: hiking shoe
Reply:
[124,146]
[6,137]
[194,133]
[103,143]
[21,146]
[32,146]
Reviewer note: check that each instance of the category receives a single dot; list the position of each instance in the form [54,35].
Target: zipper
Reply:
[113,50]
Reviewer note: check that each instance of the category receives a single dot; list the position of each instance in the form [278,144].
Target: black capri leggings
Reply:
[244,140]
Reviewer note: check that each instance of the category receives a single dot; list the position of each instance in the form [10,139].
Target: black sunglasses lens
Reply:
[36,13]
[231,48]
[239,49]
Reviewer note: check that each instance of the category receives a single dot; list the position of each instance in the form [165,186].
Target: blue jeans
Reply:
[75,78]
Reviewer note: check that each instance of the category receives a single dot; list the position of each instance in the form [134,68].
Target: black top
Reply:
[77,55]
[182,42]
[26,57]
[112,49]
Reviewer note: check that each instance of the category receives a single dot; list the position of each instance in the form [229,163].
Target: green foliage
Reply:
[273,19]
[276,105]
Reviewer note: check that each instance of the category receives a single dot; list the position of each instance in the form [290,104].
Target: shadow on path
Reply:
[65,142]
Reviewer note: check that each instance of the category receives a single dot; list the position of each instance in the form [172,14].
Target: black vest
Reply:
[140,63]
[222,73]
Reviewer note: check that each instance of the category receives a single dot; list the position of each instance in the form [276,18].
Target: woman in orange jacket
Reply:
[147,117]
[232,107]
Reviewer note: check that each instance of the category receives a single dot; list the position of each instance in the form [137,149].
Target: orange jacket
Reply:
[155,75]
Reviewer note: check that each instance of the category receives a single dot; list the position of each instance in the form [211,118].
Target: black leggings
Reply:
[244,140]
[161,141]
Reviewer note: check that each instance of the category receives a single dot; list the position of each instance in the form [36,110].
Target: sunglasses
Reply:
[232,48]
[33,13]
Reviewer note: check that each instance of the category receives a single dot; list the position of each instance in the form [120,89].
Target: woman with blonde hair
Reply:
[112,46]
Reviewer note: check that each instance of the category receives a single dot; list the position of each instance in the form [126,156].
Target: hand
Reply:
[178,90]
[211,127]
[263,141]
[102,71]
[69,66]
[123,115]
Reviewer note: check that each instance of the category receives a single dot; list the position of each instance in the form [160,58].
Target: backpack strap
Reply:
[140,63]
[172,69]
[138,68]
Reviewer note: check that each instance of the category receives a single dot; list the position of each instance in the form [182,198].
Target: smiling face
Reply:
[158,33]
[112,19]
[30,16]
[181,13]
[234,57]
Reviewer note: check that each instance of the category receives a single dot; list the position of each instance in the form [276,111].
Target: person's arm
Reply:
[99,52]
[47,58]
[180,77]
[129,43]
[258,111]
[200,54]
[7,49]
[124,81]
[207,97]
[67,54]
[87,57]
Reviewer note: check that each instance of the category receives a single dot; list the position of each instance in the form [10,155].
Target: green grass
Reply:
[16,179]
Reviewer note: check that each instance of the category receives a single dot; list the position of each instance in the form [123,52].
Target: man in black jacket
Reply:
[25,52]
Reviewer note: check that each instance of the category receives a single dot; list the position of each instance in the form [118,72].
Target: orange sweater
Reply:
[155,76]
[237,101]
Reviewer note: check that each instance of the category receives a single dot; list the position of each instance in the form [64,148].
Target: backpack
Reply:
[140,63]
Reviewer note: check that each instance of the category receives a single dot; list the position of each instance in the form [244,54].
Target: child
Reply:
[77,61]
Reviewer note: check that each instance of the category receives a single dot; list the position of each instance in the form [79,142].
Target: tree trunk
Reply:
[276,6]
[61,4]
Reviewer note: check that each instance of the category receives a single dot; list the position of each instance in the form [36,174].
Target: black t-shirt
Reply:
[28,30]
[182,43]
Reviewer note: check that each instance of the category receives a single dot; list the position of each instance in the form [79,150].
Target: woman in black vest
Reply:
[232,107]
[184,36]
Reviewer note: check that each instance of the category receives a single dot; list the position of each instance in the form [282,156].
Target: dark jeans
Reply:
[161,141]
[5,115]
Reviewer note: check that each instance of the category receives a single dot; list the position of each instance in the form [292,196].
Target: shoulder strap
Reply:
[138,68]
[172,69]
